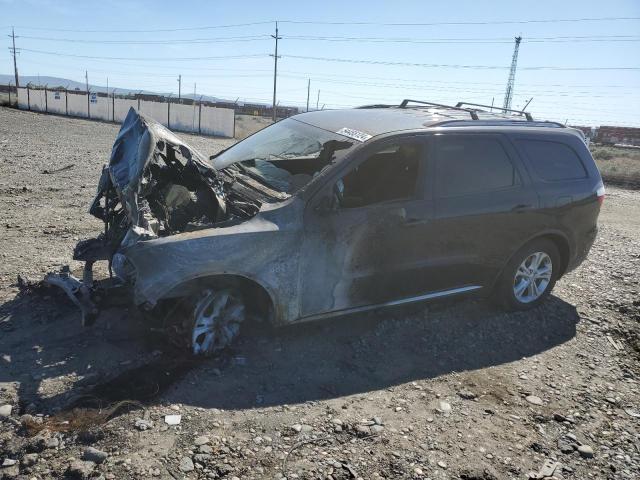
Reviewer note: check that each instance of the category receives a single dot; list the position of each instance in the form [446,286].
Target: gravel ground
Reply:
[449,390]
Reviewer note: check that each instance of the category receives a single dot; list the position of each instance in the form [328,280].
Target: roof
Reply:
[380,119]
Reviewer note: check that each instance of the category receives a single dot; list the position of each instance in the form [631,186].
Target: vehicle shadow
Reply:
[54,361]
[365,353]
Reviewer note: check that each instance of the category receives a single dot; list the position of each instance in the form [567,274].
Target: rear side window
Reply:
[467,165]
[552,160]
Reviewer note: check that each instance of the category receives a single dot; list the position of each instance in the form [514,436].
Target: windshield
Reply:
[284,156]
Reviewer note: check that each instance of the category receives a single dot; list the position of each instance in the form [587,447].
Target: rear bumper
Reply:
[583,246]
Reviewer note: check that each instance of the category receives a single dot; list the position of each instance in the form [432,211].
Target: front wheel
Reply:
[529,276]
[217,315]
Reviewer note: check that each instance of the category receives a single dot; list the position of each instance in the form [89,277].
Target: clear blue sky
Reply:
[592,97]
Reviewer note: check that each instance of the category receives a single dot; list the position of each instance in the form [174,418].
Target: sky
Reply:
[576,69]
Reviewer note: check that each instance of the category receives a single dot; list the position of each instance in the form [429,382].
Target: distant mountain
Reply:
[53,82]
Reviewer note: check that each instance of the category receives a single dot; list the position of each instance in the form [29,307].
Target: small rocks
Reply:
[444,408]
[52,442]
[301,428]
[467,395]
[534,400]
[29,460]
[186,465]
[201,440]
[80,469]
[143,425]
[5,411]
[8,462]
[207,449]
[585,451]
[94,455]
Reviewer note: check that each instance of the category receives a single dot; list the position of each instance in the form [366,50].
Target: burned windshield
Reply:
[284,156]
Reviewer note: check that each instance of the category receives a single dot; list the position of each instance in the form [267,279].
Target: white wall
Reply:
[156,110]
[56,105]
[77,104]
[22,98]
[217,121]
[100,108]
[37,100]
[184,118]
[122,106]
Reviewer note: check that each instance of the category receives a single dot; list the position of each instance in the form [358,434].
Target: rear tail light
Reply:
[600,193]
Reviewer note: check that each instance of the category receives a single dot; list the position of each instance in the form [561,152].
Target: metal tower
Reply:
[512,75]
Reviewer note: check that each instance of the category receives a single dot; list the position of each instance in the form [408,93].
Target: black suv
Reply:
[331,212]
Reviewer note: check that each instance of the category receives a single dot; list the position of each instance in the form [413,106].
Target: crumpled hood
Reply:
[156,185]
[134,147]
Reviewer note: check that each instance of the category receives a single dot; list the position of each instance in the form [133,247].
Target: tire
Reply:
[525,281]
[216,319]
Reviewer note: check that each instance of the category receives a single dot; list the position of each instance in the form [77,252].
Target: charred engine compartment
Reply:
[155,185]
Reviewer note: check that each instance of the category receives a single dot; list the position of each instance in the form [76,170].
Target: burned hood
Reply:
[156,185]
[134,148]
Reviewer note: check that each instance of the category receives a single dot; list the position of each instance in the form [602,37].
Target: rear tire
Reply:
[529,276]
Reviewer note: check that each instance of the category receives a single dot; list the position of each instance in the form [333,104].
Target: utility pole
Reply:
[14,51]
[275,72]
[308,91]
[318,100]
[179,87]
[508,94]
[86,79]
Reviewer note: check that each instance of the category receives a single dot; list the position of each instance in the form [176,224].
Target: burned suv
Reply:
[332,212]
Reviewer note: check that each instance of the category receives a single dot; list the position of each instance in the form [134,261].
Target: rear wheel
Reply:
[529,276]
[217,315]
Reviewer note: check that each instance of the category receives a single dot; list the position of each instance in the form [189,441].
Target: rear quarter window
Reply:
[553,161]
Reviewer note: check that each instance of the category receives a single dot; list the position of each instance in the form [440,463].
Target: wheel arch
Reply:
[258,298]
[560,241]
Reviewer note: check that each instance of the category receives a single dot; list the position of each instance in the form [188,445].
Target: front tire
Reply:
[529,276]
[217,315]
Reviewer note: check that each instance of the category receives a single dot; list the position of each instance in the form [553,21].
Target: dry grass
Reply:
[618,165]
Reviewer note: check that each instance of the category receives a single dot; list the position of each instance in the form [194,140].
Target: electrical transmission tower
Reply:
[508,94]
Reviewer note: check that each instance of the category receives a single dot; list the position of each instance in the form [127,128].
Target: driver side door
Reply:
[367,248]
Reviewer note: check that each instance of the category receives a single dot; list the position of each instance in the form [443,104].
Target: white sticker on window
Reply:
[355,134]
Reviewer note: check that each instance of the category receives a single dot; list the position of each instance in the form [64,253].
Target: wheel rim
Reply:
[217,317]
[532,277]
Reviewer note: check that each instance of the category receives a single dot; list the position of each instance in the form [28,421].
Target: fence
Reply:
[185,116]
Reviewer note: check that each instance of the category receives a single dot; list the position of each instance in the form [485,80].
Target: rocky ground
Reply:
[450,390]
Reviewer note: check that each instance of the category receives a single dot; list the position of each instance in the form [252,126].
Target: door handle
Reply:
[521,208]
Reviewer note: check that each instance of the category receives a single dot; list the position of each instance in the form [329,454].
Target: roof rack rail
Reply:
[377,105]
[520,112]
[474,115]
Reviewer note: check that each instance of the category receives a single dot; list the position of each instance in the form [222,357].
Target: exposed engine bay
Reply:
[155,185]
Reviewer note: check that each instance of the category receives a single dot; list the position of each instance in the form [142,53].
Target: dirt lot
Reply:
[443,391]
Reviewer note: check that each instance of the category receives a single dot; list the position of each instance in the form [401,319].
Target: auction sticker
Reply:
[355,134]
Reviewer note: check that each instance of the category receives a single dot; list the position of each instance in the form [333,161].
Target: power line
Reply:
[151,59]
[412,40]
[488,22]
[183,29]
[436,65]
[559,39]
[245,38]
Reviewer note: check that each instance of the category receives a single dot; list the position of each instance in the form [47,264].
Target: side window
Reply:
[390,173]
[469,164]
[552,160]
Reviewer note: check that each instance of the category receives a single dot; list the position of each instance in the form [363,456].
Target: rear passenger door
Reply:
[484,208]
